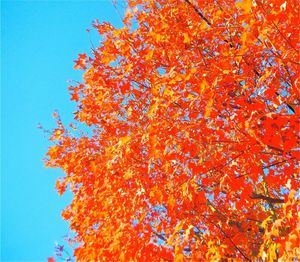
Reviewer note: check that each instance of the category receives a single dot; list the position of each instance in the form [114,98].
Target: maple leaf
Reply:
[192,149]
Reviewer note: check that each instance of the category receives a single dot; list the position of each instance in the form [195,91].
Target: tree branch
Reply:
[231,241]
[198,12]
[271,200]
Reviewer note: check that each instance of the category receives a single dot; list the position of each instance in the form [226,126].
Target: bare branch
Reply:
[198,12]
[270,200]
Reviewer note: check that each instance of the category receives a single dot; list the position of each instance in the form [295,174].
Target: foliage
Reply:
[193,143]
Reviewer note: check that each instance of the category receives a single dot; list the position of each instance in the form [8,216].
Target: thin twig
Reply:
[198,12]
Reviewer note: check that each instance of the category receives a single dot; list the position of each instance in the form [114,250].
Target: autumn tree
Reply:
[191,145]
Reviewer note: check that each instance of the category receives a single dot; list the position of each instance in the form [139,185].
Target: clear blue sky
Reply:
[39,41]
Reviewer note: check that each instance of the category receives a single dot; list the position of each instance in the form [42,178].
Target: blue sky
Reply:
[39,41]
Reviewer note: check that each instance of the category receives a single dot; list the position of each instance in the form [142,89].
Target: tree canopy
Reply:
[191,146]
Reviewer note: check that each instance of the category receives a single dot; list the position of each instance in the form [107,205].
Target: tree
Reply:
[191,146]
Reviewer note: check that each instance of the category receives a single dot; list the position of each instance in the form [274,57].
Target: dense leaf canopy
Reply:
[192,148]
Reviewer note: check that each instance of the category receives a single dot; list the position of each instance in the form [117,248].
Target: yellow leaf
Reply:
[179,258]
[129,111]
[53,152]
[204,86]
[107,58]
[157,37]
[187,232]
[187,39]
[194,70]
[124,140]
[178,227]
[245,5]
[176,79]
[93,166]
[128,174]
[208,107]
[122,257]
[265,222]
[149,55]
[211,207]
[156,193]
[203,26]
[156,89]
[171,201]
[168,92]
[191,96]
[152,110]
[185,190]
[272,252]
